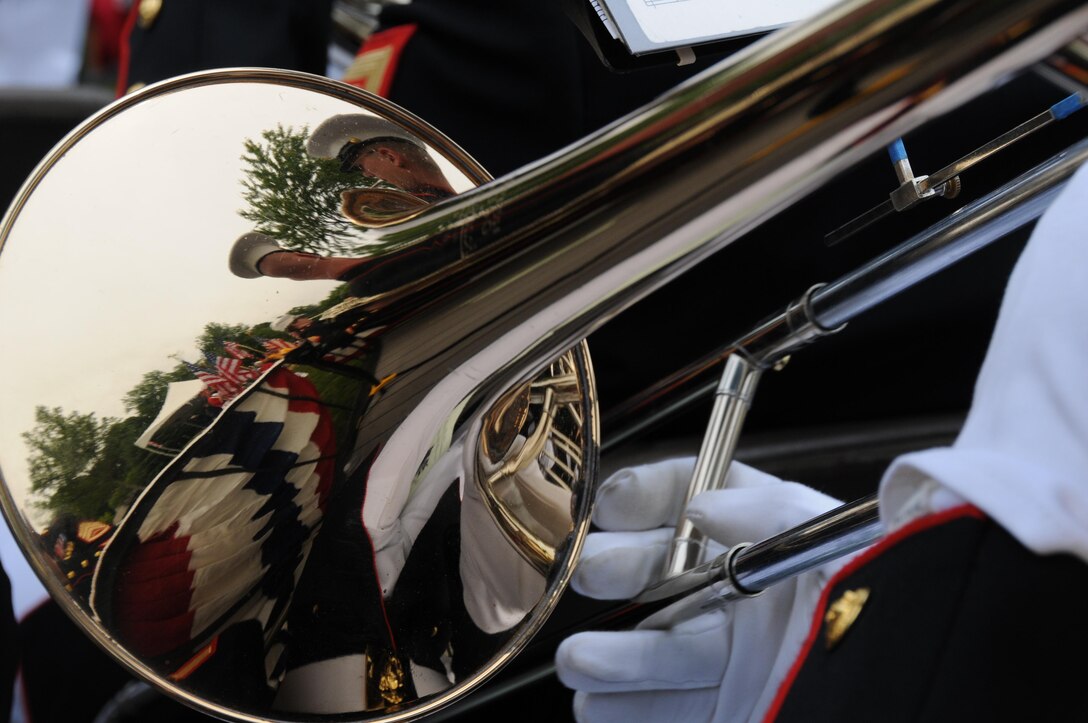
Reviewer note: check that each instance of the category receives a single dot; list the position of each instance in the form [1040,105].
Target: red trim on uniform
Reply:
[913,528]
[382,51]
[125,49]
[107,20]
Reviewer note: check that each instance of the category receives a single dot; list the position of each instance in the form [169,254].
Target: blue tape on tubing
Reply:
[897,151]
[1067,107]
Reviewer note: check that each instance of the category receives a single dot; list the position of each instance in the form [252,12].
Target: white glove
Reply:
[721,666]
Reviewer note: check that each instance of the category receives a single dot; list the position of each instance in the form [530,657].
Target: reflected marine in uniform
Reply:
[510,83]
[75,546]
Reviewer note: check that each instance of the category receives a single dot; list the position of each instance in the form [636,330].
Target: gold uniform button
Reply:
[842,613]
[149,10]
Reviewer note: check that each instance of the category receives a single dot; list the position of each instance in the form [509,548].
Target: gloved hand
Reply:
[721,666]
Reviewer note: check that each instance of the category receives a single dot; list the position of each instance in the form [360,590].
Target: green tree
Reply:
[90,467]
[211,340]
[294,197]
[145,399]
[63,450]
[128,467]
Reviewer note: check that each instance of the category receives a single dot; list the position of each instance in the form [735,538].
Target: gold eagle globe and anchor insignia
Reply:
[842,613]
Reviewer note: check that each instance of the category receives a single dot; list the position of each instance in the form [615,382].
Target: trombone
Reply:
[480,293]
[747,569]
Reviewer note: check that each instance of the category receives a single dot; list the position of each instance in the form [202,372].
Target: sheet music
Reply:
[609,24]
[647,25]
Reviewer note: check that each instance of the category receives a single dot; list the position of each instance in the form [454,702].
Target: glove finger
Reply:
[644,496]
[750,514]
[619,565]
[652,495]
[742,475]
[690,706]
[693,654]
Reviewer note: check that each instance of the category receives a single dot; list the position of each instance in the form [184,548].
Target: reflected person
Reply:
[381,150]
[404,178]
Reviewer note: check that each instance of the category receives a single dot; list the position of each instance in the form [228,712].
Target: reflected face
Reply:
[405,166]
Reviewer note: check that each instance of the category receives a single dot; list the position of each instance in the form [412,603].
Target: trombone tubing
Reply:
[599,225]
[961,233]
[747,570]
[830,306]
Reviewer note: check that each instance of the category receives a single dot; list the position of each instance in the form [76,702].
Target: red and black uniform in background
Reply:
[184,37]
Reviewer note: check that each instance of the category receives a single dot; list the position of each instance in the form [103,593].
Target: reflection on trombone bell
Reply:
[380,149]
[383,151]
[508,497]
[255,254]
[405,180]
[378,207]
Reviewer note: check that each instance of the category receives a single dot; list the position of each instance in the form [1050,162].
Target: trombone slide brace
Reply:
[771,342]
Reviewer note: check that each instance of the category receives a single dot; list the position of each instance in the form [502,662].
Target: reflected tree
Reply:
[145,399]
[294,197]
[64,450]
[91,468]
[216,336]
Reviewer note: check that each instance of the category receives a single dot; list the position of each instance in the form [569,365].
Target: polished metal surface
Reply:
[827,308]
[352,483]
[768,345]
[1012,206]
[732,399]
[995,215]
[747,569]
[946,182]
[211,458]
